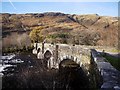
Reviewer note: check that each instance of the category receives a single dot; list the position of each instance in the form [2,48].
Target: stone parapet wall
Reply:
[110,75]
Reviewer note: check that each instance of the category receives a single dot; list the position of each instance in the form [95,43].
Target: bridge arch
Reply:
[47,54]
[49,50]
[67,63]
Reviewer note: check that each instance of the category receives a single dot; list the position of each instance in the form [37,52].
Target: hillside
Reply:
[90,29]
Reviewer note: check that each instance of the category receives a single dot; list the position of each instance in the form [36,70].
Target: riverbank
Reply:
[114,60]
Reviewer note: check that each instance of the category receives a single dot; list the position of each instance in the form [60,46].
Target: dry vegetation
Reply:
[89,29]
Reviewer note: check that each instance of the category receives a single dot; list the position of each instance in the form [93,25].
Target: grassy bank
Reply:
[114,61]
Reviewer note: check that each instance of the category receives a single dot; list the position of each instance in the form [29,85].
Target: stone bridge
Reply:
[101,71]
[55,53]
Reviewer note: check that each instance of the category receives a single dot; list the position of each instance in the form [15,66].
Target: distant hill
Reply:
[90,29]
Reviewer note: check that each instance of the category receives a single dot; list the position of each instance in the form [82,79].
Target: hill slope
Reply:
[90,29]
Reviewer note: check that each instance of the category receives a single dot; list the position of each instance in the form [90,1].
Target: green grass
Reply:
[115,62]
